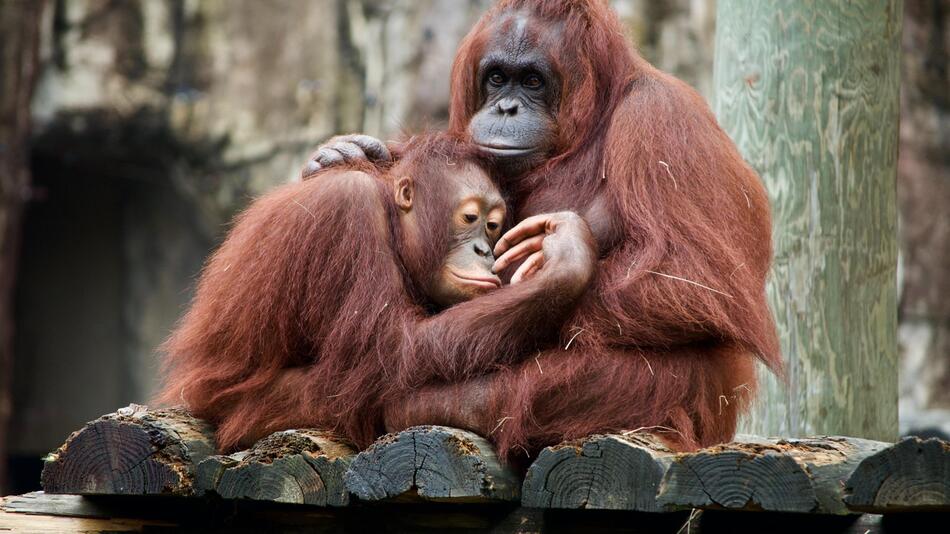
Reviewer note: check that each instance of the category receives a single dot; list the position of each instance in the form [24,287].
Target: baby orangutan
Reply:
[300,318]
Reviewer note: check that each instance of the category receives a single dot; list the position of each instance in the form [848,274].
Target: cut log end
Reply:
[432,463]
[134,451]
[775,475]
[294,466]
[609,472]
[137,451]
[912,475]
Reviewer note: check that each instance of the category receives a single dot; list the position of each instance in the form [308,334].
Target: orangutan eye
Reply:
[533,81]
[470,218]
[492,226]
[496,78]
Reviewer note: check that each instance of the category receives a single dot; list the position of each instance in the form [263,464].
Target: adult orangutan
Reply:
[667,335]
[300,317]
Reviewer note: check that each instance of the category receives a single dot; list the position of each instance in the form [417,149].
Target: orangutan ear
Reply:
[404,193]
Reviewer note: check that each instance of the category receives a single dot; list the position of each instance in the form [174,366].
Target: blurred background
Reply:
[150,123]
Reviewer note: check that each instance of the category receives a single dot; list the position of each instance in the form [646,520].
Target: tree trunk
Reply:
[809,91]
[19,47]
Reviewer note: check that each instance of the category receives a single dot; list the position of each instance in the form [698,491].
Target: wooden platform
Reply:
[142,470]
[39,512]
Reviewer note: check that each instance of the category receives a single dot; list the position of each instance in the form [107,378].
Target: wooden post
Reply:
[809,92]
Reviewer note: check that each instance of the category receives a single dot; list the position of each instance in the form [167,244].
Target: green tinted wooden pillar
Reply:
[809,91]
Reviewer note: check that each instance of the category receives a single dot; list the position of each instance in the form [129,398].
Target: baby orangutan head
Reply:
[450,214]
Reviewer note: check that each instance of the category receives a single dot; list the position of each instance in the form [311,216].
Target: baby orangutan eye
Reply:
[470,218]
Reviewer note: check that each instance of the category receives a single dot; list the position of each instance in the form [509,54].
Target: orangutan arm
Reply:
[503,326]
[691,232]
[696,245]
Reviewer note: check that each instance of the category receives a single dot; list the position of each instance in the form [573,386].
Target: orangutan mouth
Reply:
[479,281]
[501,149]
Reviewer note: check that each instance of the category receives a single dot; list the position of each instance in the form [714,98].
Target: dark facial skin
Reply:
[516,123]
[475,225]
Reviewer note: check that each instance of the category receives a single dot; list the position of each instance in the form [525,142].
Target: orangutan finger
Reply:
[517,252]
[531,226]
[310,169]
[529,273]
[349,151]
[372,147]
[328,157]
[528,268]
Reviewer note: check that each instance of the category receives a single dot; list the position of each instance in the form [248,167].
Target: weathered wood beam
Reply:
[609,472]
[912,475]
[775,475]
[294,466]
[133,451]
[434,463]
[137,451]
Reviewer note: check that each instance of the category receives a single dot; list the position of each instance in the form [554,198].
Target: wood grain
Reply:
[773,475]
[134,451]
[303,466]
[913,475]
[809,92]
[607,472]
[434,463]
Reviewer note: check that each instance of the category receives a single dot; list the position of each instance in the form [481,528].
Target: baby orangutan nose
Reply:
[484,250]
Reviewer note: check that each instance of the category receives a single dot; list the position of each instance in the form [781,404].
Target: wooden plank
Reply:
[434,463]
[133,451]
[303,466]
[609,472]
[810,93]
[912,475]
[775,475]
[39,502]
[41,512]
[57,525]
[37,512]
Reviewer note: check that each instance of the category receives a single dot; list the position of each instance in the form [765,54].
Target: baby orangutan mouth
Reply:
[481,282]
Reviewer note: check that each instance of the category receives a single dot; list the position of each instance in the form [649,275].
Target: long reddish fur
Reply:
[296,325]
[313,312]
[300,315]
[667,336]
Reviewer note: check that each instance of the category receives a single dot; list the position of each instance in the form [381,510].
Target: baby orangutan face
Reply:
[474,225]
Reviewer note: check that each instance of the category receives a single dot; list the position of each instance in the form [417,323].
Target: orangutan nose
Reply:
[482,249]
[508,106]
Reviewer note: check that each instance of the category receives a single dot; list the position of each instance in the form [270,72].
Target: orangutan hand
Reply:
[344,149]
[561,243]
